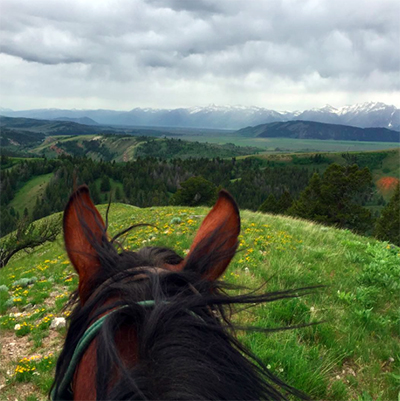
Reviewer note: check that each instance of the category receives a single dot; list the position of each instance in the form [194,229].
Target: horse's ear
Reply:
[83,230]
[216,241]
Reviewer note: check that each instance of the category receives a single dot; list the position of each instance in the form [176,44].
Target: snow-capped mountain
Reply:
[326,114]
[363,115]
[371,115]
[227,117]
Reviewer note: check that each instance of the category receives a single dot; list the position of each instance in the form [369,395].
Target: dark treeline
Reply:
[338,195]
[145,182]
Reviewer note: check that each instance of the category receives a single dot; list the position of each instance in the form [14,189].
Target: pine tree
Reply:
[309,204]
[8,222]
[105,184]
[388,225]
[342,192]
[37,210]
[94,193]
[118,195]
[336,199]
[270,205]
[194,192]
[285,202]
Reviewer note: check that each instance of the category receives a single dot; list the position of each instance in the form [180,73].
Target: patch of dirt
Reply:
[13,348]
[53,342]
[349,368]
[49,139]
[18,392]
[58,150]
[125,156]
[50,301]
[387,366]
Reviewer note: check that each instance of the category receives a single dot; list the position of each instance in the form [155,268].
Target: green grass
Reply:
[25,196]
[353,355]
[292,145]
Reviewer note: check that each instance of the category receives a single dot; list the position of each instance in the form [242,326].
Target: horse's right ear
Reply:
[84,231]
[216,241]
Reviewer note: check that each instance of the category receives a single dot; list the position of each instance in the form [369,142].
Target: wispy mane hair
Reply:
[186,343]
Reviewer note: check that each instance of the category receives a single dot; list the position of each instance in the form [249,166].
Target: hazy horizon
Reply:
[191,107]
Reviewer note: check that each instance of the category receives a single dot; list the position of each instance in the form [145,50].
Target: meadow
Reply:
[284,145]
[32,189]
[354,354]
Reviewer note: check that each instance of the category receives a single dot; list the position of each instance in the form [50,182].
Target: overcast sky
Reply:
[278,54]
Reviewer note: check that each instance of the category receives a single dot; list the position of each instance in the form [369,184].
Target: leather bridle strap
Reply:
[64,390]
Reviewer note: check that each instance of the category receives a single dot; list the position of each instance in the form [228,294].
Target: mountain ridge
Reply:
[363,115]
[80,120]
[300,129]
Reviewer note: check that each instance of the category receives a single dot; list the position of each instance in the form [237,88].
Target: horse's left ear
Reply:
[83,230]
[216,241]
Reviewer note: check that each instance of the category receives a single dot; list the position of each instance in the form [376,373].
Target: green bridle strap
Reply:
[63,391]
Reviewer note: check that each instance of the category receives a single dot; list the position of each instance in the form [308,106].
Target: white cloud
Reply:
[124,54]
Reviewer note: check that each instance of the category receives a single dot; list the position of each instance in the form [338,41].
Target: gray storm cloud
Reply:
[185,52]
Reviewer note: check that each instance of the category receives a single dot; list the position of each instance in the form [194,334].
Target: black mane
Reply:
[186,345]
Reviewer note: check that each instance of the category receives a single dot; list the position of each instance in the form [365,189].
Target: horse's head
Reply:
[90,251]
[151,324]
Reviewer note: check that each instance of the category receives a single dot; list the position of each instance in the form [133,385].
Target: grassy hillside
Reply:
[26,196]
[123,148]
[353,355]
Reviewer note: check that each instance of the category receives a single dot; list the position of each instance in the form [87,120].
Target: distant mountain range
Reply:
[53,127]
[28,126]
[314,130]
[22,137]
[364,115]
[80,120]
[15,131]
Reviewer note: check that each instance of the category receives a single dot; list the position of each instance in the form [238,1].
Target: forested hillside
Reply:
[31,189]
[144,182]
